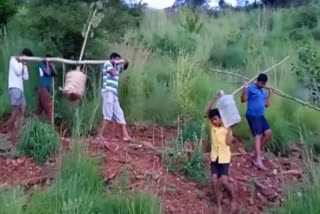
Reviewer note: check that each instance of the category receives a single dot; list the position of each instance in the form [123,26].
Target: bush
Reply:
[38,140]
[195,167]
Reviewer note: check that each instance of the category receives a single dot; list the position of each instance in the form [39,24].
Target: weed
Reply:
[38,140]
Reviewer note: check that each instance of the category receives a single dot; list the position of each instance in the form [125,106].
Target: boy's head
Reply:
[215,117]
[26,52]
[262,80]
[114,56]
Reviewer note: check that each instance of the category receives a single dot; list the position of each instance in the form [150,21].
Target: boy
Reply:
[47,72]
[111,107]
[258,100]
[221,138]
[18,72]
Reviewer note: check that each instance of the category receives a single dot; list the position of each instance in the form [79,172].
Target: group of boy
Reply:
[18,73]
[257,100]
[255,95]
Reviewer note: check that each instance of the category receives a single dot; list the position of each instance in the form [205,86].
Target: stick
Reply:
[87,33]
[53,100]
[282,94]
[276,91]
[63,73]
[269,69]
[61,60]
[231,73]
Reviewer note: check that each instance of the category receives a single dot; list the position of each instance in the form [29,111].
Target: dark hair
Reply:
[26,52]
[262,78]
[126,65]
[48,55]
[114,55]
[214,112]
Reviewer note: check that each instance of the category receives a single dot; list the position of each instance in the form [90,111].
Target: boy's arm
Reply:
[244,95]
[268,101]
[25,73]
[212,101]
[109,68]
[229,137]
[53,69]
[17,67]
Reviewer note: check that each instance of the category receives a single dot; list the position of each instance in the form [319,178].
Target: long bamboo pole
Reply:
[87,34]
[276,91]
[53,101]
[61,60]
[269,69]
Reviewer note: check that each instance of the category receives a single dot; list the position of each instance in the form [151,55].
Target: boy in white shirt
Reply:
[18,72]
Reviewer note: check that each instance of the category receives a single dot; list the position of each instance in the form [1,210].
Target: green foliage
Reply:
[12,201]
[190,20]
[121,184]
[38,140]
[195,168]
[179,157]
[308,71]
[7,10]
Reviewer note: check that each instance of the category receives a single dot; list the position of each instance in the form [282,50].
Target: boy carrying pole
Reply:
[47,72]
[258,99]
[221,139]
[18,73]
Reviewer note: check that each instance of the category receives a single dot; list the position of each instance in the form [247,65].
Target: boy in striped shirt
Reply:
[111,108]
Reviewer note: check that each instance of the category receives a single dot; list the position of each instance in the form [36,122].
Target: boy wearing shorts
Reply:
[221,138]
[258,100]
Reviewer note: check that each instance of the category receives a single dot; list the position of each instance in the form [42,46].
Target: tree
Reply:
[284,3]
[191,3]
[7,10]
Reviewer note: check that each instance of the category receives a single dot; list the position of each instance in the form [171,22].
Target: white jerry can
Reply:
[228,110]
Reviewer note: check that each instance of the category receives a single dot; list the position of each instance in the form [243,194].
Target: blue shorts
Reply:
[258,124]
[219,169]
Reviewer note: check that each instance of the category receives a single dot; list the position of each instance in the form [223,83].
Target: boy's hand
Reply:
[245,85]
[216,96]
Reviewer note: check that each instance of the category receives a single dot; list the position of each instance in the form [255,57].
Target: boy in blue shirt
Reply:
[258,99]
[47,72]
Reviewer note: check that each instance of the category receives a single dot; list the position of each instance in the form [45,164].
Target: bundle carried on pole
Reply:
[75,82]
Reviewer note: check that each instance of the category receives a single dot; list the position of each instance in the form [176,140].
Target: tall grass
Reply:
[38,140]
[303,198]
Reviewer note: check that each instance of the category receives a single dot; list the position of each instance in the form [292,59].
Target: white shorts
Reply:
[111,108]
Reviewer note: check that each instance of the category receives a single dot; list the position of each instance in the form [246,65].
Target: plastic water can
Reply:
[228,110]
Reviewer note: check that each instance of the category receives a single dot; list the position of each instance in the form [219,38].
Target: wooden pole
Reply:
[63,73]
[269,69]
[276,91]
[87,34]
[53,100]
[61,60]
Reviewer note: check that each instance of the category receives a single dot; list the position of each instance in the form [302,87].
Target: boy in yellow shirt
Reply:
[221,139]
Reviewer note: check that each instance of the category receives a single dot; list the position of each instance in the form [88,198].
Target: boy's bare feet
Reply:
[259,165]
[128,139]
[219,209]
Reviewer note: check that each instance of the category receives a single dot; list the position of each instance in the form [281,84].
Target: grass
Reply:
[187,158]
[303,198]
[38,140]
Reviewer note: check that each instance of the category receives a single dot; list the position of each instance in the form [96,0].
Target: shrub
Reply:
[38,140]
[195,167]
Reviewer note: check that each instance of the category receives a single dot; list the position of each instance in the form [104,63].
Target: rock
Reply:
[275,172]
[139,177]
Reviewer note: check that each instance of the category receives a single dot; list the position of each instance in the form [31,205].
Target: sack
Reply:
[74,85]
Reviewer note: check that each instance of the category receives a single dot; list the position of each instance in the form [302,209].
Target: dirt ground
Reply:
[255,190]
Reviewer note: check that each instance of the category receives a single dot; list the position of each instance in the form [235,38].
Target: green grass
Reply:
[303,197]
[186,157]
[38,140]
